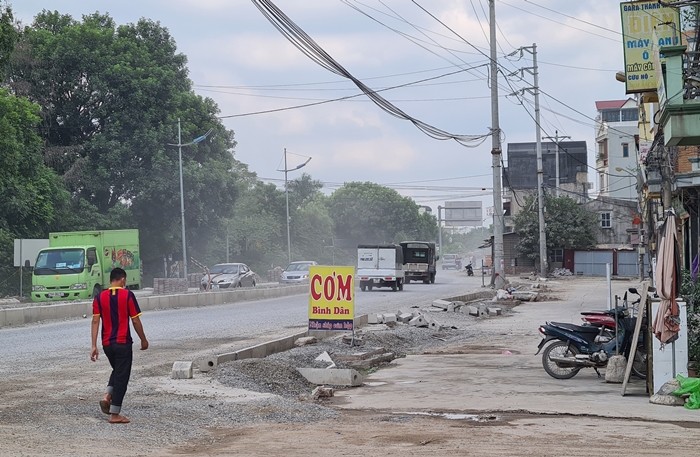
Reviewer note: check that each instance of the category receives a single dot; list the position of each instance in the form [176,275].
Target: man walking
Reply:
[114,307]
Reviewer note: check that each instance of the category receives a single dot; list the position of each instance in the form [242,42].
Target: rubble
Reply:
[303,341]
[322,392]
[562,272]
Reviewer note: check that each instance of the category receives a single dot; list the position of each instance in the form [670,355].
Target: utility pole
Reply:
[538,135]
[556,139]
[439,230]
[495,152]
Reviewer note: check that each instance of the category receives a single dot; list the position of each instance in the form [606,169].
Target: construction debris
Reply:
[322,392]
[304,340]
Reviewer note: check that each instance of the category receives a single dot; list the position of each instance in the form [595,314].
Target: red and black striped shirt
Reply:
[116,306]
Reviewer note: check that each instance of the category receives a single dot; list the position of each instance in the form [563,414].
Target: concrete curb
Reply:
[30,314]
[208,363]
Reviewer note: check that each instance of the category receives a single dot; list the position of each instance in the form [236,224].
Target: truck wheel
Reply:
[394,287]
[400,285]
[96,290]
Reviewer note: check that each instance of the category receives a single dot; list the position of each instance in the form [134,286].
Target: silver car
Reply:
[228,275]
[296,272]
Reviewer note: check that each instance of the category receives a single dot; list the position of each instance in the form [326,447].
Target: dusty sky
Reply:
[237,58]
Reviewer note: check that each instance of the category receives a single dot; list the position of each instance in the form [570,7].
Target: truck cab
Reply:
[419,261]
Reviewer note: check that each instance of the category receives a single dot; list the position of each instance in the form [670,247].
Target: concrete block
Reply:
[418,321]
[442,304]
[473,310]
[364,355]
[615,371]
[182,370]
[405,318]
[388,317]
[450,308]
[207,363]
[372,318]
[333,376]
[493,311]
[373,361]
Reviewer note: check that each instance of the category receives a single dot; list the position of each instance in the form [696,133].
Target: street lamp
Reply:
[286,197]
[182,194]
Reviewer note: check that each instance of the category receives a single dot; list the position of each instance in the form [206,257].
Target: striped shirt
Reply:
[115,306]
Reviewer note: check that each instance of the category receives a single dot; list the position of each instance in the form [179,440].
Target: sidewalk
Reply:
[501,372]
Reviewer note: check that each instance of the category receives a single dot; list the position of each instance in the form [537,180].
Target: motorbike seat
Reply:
[576,328]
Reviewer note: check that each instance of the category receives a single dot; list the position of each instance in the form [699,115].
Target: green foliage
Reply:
[111,97]
[567,226]
[690,291]
[8,35]
[371,213]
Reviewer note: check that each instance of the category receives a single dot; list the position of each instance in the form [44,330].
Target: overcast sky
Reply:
[237,58]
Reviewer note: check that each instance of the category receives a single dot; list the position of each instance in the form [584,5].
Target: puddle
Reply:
[454,416]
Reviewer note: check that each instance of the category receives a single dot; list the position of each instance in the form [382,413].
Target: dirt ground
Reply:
[396,434]
[57,416]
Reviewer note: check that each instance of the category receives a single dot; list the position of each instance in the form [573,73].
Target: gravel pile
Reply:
[277,373]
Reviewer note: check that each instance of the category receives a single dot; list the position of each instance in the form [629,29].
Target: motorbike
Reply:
[470,270]
[574,347]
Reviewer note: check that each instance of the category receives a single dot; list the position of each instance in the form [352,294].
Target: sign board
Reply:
[640,19]
[463,214]
[331,298]
[28,249]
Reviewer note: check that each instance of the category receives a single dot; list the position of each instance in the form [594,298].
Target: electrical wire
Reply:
[302,41]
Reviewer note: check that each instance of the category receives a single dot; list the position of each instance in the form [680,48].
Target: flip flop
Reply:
[119,420]
[104,406]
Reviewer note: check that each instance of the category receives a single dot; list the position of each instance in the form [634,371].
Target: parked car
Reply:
[451,262]
[228,275]
[296,272]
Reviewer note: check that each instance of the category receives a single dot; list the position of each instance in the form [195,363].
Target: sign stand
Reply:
[637,328]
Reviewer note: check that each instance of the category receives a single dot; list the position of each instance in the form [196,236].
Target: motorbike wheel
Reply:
[639,367]
[559,349]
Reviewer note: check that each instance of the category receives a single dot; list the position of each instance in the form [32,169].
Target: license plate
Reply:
[55,294]
[377,280]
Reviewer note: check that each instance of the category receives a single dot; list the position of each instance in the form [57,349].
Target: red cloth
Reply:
[116,306]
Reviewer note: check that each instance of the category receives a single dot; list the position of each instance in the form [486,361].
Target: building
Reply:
[617,145]
[520,176]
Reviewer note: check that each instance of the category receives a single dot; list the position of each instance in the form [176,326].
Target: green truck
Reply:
[76,265]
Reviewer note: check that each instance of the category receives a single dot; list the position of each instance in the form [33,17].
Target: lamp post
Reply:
[286,197]
[182,193]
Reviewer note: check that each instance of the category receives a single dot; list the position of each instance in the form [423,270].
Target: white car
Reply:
[296,272]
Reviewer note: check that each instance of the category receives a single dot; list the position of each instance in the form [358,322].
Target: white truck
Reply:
[380,266]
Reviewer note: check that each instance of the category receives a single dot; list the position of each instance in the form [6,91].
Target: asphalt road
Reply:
[184,334]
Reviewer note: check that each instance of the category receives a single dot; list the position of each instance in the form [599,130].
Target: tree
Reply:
[32,197]
[111,97]
[567,226]
[370,213]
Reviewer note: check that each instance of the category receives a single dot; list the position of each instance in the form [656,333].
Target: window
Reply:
[625,150]
[610,115]
[605,220]
[557,255]
[630,114]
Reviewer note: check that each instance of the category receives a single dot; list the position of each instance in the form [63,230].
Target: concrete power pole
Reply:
[556,139]
[498,224]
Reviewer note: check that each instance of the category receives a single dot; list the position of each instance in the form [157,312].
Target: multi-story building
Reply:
[617,157]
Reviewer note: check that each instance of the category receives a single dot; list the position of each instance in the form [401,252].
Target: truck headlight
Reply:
[79,286]
[38,288]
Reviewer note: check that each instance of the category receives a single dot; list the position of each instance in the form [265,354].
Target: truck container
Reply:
[380,266]
[419,261]
[76,265]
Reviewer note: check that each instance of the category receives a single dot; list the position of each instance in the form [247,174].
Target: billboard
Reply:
[463,214]
[331,298]
[28,249]
[639,22]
